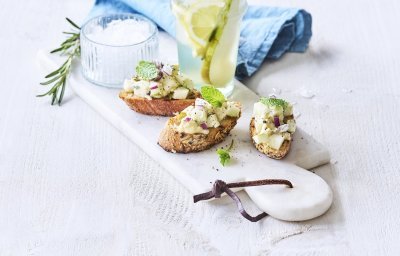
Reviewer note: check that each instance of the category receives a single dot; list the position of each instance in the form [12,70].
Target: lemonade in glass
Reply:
[208,36]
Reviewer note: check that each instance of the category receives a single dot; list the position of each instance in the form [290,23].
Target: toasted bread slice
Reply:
[264,148]
[157,107]
[173,141]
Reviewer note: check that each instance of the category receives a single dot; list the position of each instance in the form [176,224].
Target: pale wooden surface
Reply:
[70,184]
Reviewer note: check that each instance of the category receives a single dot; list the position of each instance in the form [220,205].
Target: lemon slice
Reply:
[201,20]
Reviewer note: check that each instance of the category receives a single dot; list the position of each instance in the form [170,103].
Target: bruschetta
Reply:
[158,89]
[201,126]
[272,127]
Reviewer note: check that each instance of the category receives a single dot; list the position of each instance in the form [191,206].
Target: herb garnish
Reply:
[213,96]
[224,156]
[146,70]
[274,102]
[70,48]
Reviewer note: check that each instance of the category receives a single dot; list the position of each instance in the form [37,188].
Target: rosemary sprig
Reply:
[58,78]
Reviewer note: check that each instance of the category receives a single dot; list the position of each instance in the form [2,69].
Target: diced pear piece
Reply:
[288,111]
[169,83]
[141,88]
[258,125]
[260,110]
[199,115]
[129,85]
[221,113]
[261,138]
[233,111]
[188,83]
[292,125]
[275,141]
[180,93]
[155,93]
[212,121]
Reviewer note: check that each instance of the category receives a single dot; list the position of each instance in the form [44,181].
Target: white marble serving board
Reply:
[197,171]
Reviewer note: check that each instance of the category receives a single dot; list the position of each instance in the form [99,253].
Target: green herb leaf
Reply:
[146,70]
[272,102]
[212,96]
[56,72]
[51,80]
[58,78]
[72,23]
[224,156]
[57,50]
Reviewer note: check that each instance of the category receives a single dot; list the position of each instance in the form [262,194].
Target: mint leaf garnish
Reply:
[212,96]
[274,102]
[146,70]
[224,156]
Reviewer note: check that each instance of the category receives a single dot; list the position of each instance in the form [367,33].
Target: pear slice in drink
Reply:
[220,59]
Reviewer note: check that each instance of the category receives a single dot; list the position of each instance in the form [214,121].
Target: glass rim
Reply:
[129,15]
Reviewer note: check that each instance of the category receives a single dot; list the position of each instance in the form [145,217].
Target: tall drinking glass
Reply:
[208,36]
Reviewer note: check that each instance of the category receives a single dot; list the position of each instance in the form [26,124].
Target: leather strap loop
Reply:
[219,187]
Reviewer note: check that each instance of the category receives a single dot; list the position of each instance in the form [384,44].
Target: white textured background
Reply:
[70,184]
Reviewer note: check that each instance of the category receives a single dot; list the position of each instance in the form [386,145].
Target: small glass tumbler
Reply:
[110,58]
[209,58]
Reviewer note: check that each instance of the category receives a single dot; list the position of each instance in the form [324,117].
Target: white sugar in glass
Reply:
[112,45]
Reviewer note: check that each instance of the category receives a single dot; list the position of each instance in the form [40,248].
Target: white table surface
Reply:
[70,184]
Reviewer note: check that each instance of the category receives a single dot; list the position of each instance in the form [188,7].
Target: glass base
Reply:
[226,90]
[112,86]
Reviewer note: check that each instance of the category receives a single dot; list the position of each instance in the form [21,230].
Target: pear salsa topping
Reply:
[274,122]
[207,112]
[157,80]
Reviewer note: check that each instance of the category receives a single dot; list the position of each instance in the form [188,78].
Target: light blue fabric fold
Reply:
[266,32]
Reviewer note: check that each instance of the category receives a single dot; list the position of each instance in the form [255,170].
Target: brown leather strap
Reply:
[220,187]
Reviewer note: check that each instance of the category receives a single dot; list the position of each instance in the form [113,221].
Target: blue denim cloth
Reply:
[266,32]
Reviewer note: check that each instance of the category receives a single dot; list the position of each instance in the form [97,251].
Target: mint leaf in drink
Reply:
[146,70]
[272,102]
[212,96]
